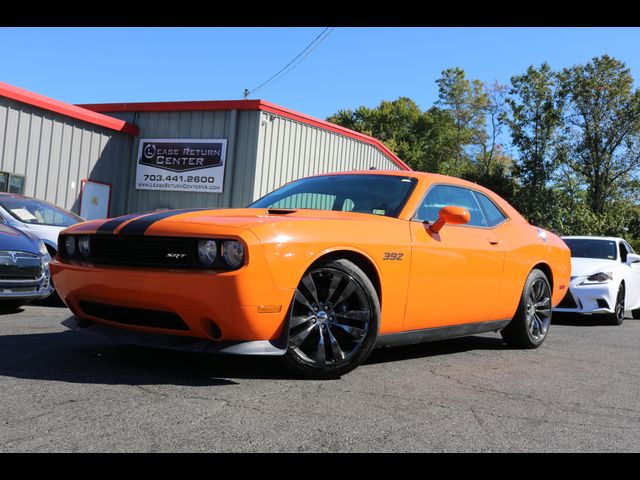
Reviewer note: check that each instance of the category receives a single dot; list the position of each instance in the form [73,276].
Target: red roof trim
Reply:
[73,111]
[246,105]
[332,127]
[174,106]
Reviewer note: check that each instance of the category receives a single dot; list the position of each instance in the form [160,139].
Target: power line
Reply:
[293,63]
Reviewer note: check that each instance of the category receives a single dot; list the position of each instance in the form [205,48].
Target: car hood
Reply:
[581,267]
[13,239]
[48,233]
[174,222]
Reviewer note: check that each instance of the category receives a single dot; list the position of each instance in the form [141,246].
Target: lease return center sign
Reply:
[179,164]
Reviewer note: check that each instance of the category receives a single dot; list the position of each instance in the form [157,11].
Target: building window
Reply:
[11,183]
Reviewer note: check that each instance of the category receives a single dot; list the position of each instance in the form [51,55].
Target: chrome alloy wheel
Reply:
[620,305]
[330,317]
[538,309]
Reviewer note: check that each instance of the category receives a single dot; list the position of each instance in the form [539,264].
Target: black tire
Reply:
[636,313]
[617,317]
[530,325]
[330,338]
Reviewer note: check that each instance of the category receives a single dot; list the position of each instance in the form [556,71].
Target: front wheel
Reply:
[617,317]
[530,325]
[333,321]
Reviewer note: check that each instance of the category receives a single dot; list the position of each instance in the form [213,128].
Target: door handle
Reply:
[494,241]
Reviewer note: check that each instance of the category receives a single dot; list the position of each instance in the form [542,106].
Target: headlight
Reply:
[600,277]
[43,248]
[233,253]
[70,245]
[84,246]
[207,252]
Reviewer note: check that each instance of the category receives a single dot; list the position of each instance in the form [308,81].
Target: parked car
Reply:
[24,268]
[42,219]
[605,279]
[319,272]
[38,218]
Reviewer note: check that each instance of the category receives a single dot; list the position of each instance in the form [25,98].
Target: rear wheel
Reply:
[617,317]
[333,321]
[530,325]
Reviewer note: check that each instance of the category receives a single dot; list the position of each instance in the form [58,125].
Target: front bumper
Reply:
[275,347]
[208,305]
[596,298]
[26,290]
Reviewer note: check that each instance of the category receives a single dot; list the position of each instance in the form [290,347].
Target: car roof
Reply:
[587,237]
[433,178]
[430,177]
[13,195]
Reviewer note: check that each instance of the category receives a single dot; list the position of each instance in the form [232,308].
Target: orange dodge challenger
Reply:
[320,271]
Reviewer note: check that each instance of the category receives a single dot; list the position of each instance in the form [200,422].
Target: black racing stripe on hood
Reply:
[110,225]
[138,227]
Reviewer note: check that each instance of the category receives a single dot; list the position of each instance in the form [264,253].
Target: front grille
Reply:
[142,251]
[139,317]
[20,290]
[19,266]
[568,301]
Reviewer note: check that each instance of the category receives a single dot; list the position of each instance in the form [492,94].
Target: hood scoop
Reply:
[280,211]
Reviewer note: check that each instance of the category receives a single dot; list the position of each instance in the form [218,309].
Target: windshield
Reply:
[36,212]
[361,193]
[589,248]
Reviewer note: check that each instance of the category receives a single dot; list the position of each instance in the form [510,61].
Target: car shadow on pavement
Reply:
[79,358]
[433,349]
[575,320]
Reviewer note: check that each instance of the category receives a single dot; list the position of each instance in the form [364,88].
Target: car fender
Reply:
[290,249]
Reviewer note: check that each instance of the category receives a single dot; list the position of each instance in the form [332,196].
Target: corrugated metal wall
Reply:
[264,151]
[288,150]
[240,128]
[55,153]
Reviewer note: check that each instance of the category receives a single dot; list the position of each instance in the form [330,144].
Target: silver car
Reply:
[41,219]
[38,219]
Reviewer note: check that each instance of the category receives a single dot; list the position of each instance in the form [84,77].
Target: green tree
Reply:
[423,140]
[467,102]
[602,129]
[534,119]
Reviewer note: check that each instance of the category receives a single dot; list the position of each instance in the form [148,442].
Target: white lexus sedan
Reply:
[605,279]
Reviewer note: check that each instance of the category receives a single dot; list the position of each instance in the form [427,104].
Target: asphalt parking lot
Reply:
[63,391]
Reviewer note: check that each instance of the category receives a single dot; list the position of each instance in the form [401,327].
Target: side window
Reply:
[445,195]
[629,248]
[623,253]
[492,214]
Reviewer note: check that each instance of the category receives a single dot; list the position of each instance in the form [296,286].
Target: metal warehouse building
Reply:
[151,156]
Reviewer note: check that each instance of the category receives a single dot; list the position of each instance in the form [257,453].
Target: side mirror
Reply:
[452,215]
[633,258]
